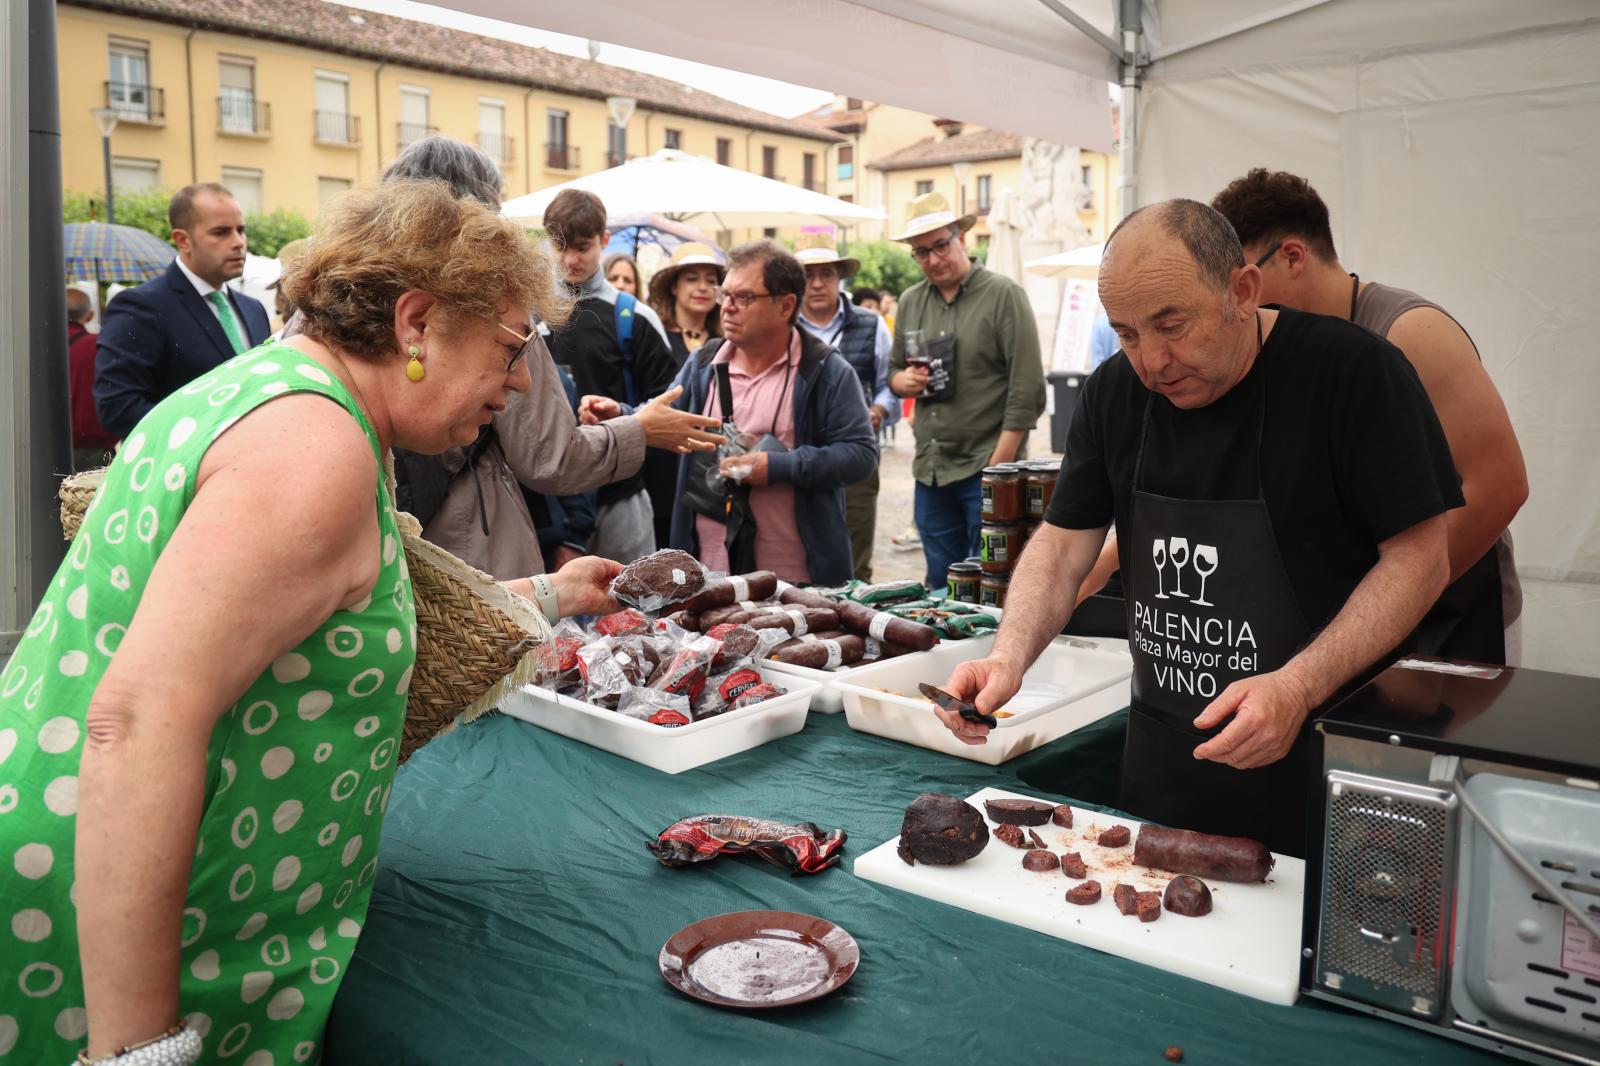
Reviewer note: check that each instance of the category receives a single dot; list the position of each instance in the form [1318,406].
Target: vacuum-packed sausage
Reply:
[723,591]
[1217,857]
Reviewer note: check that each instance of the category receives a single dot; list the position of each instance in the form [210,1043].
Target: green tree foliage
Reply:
[144,209]
[884,265]
[265,234]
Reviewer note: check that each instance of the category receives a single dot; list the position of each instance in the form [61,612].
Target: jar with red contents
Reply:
[1001,494]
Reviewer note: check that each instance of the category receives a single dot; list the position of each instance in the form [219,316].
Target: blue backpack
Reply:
[622,313]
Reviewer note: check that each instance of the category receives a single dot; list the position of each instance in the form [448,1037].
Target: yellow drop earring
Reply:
[414,369]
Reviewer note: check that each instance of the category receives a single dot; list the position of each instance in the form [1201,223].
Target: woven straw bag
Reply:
[476,641]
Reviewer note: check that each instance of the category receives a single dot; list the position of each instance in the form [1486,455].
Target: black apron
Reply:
[1209,603]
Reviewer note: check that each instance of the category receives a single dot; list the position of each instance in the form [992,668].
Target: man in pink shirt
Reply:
[788,384]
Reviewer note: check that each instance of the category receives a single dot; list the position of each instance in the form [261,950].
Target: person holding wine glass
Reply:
[1327,506]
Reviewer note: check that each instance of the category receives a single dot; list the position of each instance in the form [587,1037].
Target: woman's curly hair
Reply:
[376,243]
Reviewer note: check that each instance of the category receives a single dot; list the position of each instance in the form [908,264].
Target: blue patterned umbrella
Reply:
[113,253]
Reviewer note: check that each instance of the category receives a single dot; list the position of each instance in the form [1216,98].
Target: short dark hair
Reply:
[79,306]
[781,272]
[575,215]
[180,212]
[1203,231]
[865,293]
[466,168]
[1271,205]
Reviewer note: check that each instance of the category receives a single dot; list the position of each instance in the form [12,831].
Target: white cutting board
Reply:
[1249,943]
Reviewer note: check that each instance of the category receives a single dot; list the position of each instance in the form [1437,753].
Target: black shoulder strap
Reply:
[724,390]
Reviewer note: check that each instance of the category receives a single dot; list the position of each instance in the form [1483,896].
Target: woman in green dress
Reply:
[198,729]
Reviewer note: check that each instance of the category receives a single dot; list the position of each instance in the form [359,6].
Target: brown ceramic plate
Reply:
[759,959]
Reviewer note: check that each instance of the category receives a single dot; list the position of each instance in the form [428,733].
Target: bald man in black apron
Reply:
[1278,481]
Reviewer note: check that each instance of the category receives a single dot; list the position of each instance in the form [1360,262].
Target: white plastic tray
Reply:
[670,750]
[1090,675]
[830,700]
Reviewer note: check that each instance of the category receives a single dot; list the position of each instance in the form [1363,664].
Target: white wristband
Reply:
[544,594]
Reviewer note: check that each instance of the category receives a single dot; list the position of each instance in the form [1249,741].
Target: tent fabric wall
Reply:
[1462,168]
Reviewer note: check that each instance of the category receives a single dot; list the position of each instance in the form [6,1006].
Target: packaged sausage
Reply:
[657,708]
[724,591]
[801,848]
[660,580]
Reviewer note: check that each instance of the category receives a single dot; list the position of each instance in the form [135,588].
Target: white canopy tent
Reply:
[689,188]
[1453,140]
[1081,262]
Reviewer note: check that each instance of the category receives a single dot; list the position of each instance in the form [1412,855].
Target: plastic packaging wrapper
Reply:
[740,687]
[660,580]
[622,623]
[947,617]
[725,591]
[655,707]
[801,848]
[685,672]
[884,592]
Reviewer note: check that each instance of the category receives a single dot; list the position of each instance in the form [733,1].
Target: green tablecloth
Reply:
[517,917]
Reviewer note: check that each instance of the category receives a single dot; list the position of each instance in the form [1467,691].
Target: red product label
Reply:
[737,684]
[721,631]
[668,717]
[629,621]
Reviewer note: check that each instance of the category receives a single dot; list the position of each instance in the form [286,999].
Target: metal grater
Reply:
[1389,851]
[1522,966]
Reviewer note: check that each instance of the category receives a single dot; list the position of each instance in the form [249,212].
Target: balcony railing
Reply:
[411,132]
[134,102]
[562,156]
[501,149]
[242,113]
[337,127]
[616,159]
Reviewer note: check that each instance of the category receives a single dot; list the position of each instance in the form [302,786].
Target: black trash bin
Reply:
[1067,387]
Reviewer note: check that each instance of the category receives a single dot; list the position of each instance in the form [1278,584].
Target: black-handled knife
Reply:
[964,709]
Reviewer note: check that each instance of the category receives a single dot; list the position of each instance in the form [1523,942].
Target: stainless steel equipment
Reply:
[1458,831]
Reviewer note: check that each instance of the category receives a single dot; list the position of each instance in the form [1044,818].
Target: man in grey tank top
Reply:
[1283,225]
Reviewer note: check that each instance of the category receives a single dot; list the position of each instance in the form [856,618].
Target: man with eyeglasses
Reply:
[803,409]
[1284,227]
[989,391]
[862,337]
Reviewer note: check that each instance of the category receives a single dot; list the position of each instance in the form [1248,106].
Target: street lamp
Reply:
[106,119]
[621,108]
[963,175]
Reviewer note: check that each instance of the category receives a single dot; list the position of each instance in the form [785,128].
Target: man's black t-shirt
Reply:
[1351,452]
[588,348]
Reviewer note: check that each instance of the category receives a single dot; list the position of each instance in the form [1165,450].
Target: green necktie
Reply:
[225,315]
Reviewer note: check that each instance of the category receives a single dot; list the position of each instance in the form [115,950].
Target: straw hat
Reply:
[477,642]
[932,212]
[820,249]
[688,254]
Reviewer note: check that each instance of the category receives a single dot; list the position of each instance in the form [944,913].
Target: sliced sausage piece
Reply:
[1123,896]
[1072,865]
[1062,816]
[1038,841]
[1147,905]
[1084,894]
[1040,861]
[1115,837]
[1188,896]
[1010,834]
[1216,857]
[1018,812]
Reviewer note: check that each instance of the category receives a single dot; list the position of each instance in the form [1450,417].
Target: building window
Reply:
[131,175]
[558,154]
[1088,176]
[128,92]
[616,145]
[328,188]
[847,162]
[852,103]
[985,193]
[492,131]
[725,151]
[238,110]
[808,166]
[672,139]
[245,184]
[334,122]
[924,188]
[769,233]
[413,124]
[769,162]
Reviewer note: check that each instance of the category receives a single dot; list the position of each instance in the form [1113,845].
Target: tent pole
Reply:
[1131,26]
[35,438]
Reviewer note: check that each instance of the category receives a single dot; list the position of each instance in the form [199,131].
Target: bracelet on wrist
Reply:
[177,1046]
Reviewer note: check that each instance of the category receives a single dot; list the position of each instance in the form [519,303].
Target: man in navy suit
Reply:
[165,333]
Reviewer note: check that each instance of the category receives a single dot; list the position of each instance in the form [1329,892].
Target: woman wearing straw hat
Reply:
[198,729]
[683,293]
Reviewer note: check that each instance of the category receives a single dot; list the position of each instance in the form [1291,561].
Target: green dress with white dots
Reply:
[298,771]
